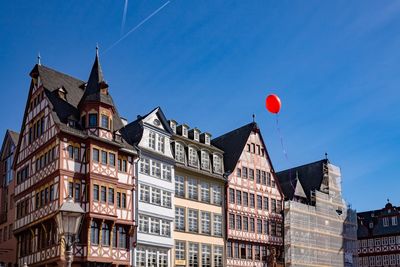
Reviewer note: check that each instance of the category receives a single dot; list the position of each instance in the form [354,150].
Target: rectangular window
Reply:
[229,249]
[245,223]
[180,250]
[264,178]
[217,163]
[205,255]
[140,257]
[143,224]
[205,160]
[95,155]
[231,195]
[238,222]
[156,196]
[231,221]
[239,172]
[179,219]
[217,194]
[192,188]
[273,205]
[205,223]
[145,165]
[70,190]
[111,196]
[70,152]
[118,200]
[111,159]
[193,255]
[218,256]
[179,186]
[272,225]
[193,216]
[244,174]
[154,226]
[259,202]
[103,157]
[51,197]
[76,153]
[179,152]
[258,176]
[245,199]
[205,192]
[266,203]
[92,120]
[259,226]
[251,174]
[152,140]
[123,200]
[252,228]
[166,199]
[252,202]
[156,169]
[104,121]
[95,192]
[166,172]
[394,220]
[77,193]
[385,222]
[217,225]
[249,253]
[238,197]
[103,196]
[193,157]
[266,228]
[161,144]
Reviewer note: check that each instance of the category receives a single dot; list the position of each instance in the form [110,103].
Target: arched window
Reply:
[179,152]
[193,158]
[205,160]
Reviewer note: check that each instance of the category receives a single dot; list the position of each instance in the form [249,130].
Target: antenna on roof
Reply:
[254,118]
[38,58]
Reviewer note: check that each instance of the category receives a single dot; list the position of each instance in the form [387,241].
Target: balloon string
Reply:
[281,137]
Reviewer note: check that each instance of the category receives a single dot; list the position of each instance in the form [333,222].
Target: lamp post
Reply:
[69,218]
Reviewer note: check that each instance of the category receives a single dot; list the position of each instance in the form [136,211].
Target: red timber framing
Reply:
[254,200]
[56,159]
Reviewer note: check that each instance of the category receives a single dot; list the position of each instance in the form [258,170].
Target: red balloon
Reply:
[273,103]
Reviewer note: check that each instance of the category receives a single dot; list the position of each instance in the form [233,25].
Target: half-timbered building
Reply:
[155,171]
[254,199]
[199,199]
[70,145]
[8,243]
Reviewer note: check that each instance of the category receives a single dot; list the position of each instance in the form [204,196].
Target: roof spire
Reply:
[326,155]
[97,49]
[38,58]
[254,117]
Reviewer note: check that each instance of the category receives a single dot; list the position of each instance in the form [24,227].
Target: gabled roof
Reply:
[13,137]
[309,175]
[233,143]
[94,85]
[133,132]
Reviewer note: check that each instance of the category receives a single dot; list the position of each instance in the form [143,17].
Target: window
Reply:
[92,120]
[385,222]
[205,192]
[192,188]
[259,202]
[264,177]
[161,144]
[156,196]
[105,234]
[239,172]
[154,226]
[244,172]
[179,186]
[238,222]
[104,121]
[180,251]
[252,225]
[152,140]
[205,223]
[245,199]
[266,228]
[94,233]
[243,251]
[206,255]
[266,203]
[249,254]
[193,157]
[258,176]
[122,165]
[70,191]
[236,250]
[145,165]
[122,237]
[179,219]
[272,225]
[251,174]
[193,220]
[231,221]
[193,255]
[103,157]
[268,179]
[112,159]
[273,205]
[152,257]
[179,152]
[96,192]
[238,197]
[217,225]
[252,203]
[140,257]
[143,224]
[231,195]
[245,223]
[165,228]
[217,163]
[111,196]
[218,253]
[217,194]
[70,152]
[144,193]
[166,199]
[156,169]
[118,200]
[205,160]
[257,255]
[77,193]
[229,249]
[123,195]
[259,226]
[167,172]
[103,194]
[394,220]
[95,155]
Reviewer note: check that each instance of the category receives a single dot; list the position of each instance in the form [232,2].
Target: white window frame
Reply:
[179,152]
[152,140]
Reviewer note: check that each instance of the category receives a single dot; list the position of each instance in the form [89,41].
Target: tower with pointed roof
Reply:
[254,200]
[70,145]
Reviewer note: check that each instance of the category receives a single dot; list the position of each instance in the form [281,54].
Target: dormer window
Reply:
[172,124]
[62,93]
[93,120]
[205,160]
[207,139]
[184,132]
[196,135]
[217,163]
[105,121]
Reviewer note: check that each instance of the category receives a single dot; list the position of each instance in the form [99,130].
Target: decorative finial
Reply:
[254,118]
[326,155]
[97,49]
[38,58]
[388,201]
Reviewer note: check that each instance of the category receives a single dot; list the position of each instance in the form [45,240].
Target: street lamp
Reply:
[69,219]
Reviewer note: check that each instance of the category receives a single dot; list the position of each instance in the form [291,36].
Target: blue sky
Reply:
[334,64]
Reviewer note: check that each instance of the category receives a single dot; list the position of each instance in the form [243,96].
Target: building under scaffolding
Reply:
[319,229]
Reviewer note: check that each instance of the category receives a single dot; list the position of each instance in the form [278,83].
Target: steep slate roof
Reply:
[14,138]
[132,132]
[233,143]
[309,175]
[375,217]
[75,89]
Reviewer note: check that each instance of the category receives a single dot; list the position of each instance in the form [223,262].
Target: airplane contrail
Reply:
[124,16]
[137,26]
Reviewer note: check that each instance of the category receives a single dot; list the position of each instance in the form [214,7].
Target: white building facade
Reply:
[155,190]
